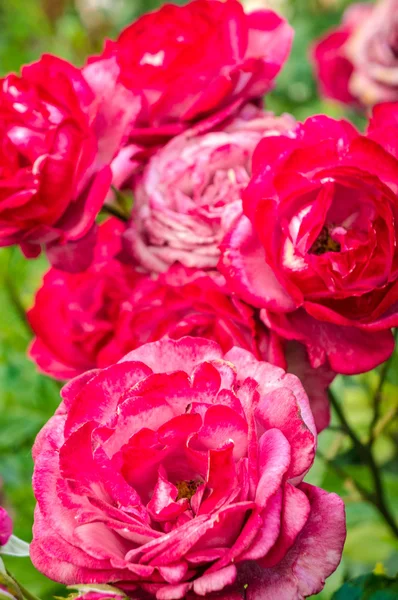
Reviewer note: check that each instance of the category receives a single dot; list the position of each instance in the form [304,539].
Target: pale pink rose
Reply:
[191,190]
[373,50]
[178,473]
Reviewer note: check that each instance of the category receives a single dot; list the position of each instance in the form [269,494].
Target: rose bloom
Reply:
[318,250]
[197,62]
[60,129]
[5,526]
[191,189]
[358,61]
[110,309]
[177,473]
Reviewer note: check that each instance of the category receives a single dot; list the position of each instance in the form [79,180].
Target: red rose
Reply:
[87,311]
[318,248]
[197,62]
[58,136]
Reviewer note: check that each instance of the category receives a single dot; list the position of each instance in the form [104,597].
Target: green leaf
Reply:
[368,587]
[15,547]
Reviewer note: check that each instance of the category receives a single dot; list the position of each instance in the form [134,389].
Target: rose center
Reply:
[324,243]
[186,489]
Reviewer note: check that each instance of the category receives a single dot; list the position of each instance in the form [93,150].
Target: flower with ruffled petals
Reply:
[317,250]
[197,63]
[60,129]
[191,190]
[177,473]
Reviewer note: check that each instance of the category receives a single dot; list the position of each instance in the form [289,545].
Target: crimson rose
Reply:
[198,62]
[318,248]
[60,128]
[177,473]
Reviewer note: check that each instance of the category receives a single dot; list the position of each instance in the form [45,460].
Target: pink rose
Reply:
[198,62]
[318,248]
[60,128]
[191,190]
[358,61]
[177,473]
[5,526]
[110,309]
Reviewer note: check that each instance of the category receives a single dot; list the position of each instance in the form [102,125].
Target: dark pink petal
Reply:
[349,350]
[244,266]
[185,356]
[314,556]
[295,512]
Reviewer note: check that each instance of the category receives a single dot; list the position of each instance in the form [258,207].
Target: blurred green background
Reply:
[73,29]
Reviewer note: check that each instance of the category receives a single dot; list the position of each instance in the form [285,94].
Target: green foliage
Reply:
[28,399]
[368,587]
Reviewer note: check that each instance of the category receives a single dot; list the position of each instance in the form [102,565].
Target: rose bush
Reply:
[60,129]
[191,190]
[177,473]
[358,61]
[110,309]
[317,249]
[179,75]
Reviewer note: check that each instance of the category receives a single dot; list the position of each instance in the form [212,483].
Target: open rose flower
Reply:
[197,62]
[358,61]
[318,248]
[177,473]
[89,311]
[5,526]
[191,190]
[60,129]
[110,309]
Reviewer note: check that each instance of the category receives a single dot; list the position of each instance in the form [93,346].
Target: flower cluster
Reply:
[201,329]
